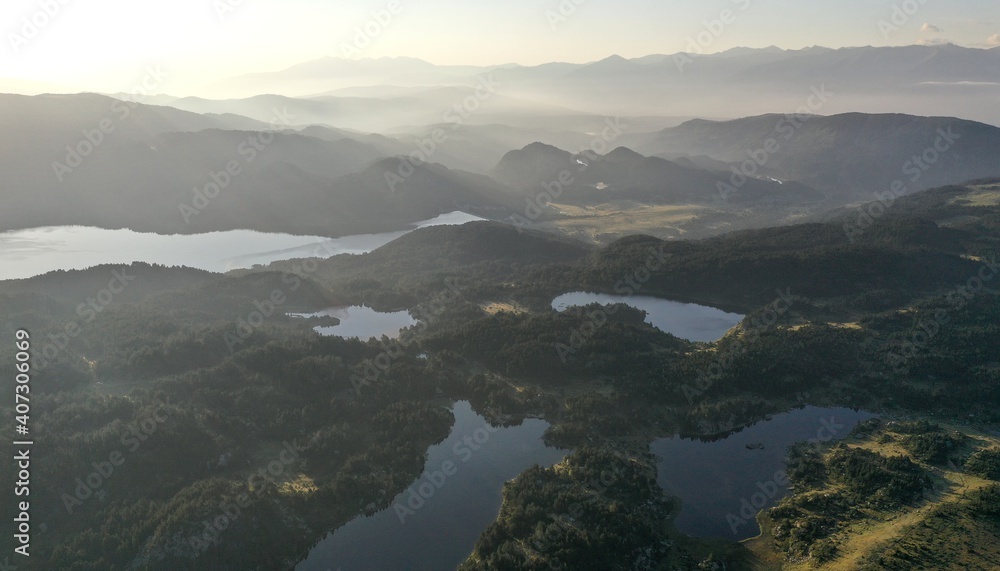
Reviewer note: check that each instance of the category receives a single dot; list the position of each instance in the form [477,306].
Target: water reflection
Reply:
[434,525]
[685,320]
[26,253]
[714,477]
[362,322]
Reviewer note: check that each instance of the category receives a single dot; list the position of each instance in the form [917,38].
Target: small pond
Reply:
[362,322]
[685,320]
[723,481]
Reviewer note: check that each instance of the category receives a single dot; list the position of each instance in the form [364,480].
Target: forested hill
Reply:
[849,155]
[236,376]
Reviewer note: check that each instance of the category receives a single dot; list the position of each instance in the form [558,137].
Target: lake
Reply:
[26,253]
[723,483]
[685,320]
[362,322]
[440,533]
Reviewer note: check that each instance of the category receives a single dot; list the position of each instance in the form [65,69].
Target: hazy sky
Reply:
[104,45]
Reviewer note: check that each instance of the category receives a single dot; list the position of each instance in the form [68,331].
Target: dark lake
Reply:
[685,320]
[460,493]
[362,322]
[714,478]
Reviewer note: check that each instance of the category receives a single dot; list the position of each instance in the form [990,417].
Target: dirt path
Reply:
[858,539]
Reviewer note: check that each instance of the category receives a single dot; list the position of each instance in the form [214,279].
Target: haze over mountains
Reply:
[624,174]
[846,155]
[378,144]
[919,80]
[726,311]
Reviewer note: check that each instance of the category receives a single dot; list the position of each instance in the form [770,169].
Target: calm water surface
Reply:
[26,253]
[455,510]
[713,479]
[362,322]
[685,320]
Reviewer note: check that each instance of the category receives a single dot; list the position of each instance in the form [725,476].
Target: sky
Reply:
[107,45]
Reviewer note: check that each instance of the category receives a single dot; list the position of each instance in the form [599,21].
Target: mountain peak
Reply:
[743,51]
[623,154]
[613,58]
[534,162]
[538,147]
[610,64]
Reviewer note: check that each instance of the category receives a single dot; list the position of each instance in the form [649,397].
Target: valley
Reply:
[505,364]
[587,287]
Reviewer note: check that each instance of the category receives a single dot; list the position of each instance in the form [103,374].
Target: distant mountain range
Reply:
[95,160]
[379,113]
[848,156]
[623,174]
[919,80]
